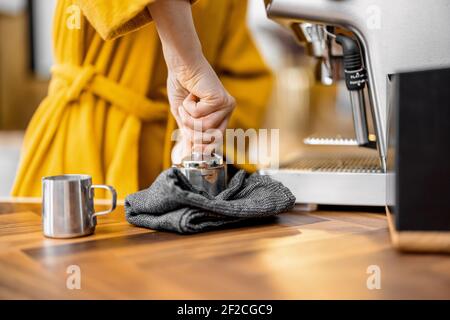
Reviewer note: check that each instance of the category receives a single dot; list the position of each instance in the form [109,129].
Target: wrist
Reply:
[178,57]
[187,70]
[174,23]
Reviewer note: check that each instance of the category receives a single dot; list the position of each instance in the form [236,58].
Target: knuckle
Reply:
[223,99]
[232,101]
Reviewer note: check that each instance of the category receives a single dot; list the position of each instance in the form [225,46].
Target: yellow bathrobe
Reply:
[106,113]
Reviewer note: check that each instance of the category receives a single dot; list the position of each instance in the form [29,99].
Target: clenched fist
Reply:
[201,107]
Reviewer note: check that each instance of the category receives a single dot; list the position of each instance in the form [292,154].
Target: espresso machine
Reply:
[364,42]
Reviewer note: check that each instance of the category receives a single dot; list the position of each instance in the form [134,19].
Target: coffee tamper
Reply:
[205,172]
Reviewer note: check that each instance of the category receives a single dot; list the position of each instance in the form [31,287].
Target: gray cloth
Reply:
[171,203]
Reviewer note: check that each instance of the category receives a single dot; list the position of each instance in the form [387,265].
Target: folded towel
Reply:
[171,203]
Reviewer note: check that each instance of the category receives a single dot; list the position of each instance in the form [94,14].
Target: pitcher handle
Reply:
[113,200]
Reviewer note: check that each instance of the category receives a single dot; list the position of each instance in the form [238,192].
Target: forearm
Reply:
[195,92]
[175,26]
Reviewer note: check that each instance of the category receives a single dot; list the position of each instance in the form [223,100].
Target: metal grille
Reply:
[330,141]
[337,163]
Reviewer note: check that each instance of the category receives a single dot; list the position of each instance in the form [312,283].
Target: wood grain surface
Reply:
[298,255]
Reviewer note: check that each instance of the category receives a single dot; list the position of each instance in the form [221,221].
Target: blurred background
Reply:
[299,107]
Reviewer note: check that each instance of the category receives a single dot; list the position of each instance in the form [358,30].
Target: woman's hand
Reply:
[197,98]
[200,104]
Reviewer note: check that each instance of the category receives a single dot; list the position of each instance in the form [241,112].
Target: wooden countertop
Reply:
[323,254]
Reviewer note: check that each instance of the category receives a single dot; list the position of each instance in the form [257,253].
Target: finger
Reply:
[190,102]
[188,134]
[204,107]
[207,149]
[211,121]
[212,141]
[191,98]
[200,109]
[215,119]
[207,137]
[176,114]
[223,126]
[181,150]
[212,148]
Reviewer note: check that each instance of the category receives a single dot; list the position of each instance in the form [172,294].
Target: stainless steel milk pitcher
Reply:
[68,205]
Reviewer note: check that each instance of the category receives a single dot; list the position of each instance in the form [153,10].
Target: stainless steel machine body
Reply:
[393,36]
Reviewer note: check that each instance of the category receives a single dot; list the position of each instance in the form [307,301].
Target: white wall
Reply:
[42,29]
[12,6]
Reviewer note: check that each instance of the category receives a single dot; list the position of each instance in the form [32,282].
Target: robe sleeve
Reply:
[244,73]
[115,18]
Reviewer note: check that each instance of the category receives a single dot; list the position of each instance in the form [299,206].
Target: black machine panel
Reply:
[418,160]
